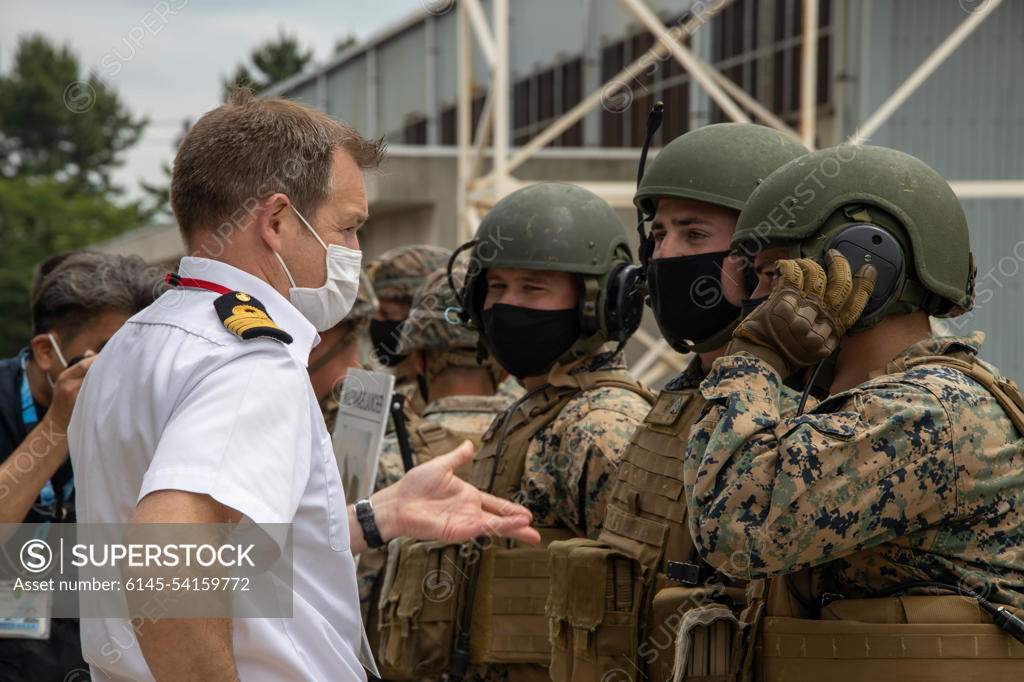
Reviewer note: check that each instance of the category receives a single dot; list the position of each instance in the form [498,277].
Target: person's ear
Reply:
[270,220]
[43,354]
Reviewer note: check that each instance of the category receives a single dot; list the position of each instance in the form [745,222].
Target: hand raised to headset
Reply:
[806,314]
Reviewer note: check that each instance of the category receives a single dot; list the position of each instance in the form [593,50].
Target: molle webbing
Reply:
[646,515]
[899,639]
[509,622]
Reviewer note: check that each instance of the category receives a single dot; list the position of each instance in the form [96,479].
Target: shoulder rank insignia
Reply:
[245,316]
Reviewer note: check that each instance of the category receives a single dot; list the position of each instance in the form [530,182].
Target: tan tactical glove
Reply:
[806,313]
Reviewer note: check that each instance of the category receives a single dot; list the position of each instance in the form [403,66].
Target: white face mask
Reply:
[327,305]
[60,356]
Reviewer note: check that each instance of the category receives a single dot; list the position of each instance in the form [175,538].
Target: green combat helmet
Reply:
[874,205]
[434,325]
[398,273]
[560,227]
[718,164]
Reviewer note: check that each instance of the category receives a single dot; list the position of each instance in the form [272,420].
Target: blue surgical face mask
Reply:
[327,305]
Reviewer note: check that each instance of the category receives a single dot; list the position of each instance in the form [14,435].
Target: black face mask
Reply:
[385,335]
[749,305]
[528,342]
[686,295]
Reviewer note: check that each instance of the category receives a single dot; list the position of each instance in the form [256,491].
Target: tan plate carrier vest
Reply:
[428,440]
[919,638]
[613,611]
[425,583]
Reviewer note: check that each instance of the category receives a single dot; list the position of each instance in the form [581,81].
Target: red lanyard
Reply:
[176,281]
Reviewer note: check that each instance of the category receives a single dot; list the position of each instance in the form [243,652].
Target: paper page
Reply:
[359,429]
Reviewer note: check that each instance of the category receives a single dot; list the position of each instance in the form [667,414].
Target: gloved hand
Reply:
[806,314]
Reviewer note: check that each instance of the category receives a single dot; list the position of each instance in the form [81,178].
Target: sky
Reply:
[166,58]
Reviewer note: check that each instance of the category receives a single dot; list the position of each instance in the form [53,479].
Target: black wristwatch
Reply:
[364,513]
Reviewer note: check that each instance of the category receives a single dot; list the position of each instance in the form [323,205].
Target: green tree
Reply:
[58,122]
[342,44]
[272,62]
[159,194]
[62,134]
[39,216]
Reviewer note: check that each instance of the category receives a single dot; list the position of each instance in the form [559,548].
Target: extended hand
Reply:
[431,503]
[806,314]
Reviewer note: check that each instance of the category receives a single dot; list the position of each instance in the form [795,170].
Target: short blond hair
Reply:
[248,149]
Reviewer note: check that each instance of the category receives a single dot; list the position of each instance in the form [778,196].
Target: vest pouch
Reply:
[509,624]
[704,648]
[419,604]
[593,610]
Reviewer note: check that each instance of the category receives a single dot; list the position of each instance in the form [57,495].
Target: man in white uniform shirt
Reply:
[200,409]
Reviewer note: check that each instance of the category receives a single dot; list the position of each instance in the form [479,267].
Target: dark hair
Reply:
[70,289]
[248,149]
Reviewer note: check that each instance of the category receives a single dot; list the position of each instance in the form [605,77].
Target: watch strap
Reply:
[364,514]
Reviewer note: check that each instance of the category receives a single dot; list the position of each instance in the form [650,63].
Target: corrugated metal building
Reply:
[966,120]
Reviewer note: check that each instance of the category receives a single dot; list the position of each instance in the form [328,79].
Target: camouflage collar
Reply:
[466,403]
[943,345]
[608,360]
[691,377]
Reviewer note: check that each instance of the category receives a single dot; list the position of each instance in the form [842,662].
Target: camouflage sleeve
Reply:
[390,467]
[577,468]
[771,495]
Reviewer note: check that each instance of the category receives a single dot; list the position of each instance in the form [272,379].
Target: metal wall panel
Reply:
[305,93]
[447,55]
[400,81]
[346,92]
[967,121]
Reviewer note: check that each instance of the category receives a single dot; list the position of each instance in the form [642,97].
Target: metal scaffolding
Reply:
[477,191]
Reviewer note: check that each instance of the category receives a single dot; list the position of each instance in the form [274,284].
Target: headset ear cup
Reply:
[624,302]
[864,243]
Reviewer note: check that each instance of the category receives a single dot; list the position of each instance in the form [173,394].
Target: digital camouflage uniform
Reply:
[568,470]
[554,450]
[571,462]
[908,476]
[644,563]
[511,389]
[357,320]
[884,518]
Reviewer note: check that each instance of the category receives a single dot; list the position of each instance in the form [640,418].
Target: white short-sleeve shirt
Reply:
[176,401]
